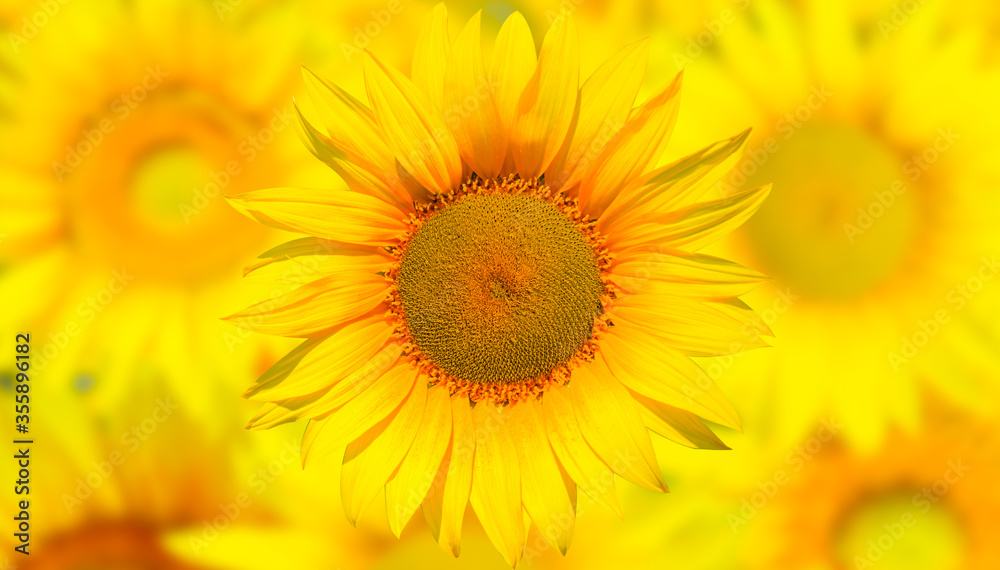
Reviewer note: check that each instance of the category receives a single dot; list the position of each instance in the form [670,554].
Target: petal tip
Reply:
[453,548]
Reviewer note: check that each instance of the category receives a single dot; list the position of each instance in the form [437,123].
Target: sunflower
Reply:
[925,500]
[880,235]
[131,489]
[511,296]
[110,194]
[106,493]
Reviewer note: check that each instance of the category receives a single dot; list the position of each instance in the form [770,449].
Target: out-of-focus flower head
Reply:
[876,126]
[122,124]
[924,500]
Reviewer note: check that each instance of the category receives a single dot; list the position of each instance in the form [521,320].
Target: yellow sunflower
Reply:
[511,299]
[106,493]
[878,133]
[926,500]
[122,124]
[152,487]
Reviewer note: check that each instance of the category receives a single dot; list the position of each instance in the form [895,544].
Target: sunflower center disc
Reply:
[499,288]
[841,220]
[889,531]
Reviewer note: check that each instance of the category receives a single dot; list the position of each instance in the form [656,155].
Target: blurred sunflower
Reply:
[106,493]
[503,231]
[922,501]
[122,123]
[145,488]
[879,138]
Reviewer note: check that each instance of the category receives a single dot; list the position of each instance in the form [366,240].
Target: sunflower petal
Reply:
[338,215]
[350,126]
[346,119]
[512,65]
[692,326]
[318,256]
[432,49]
[696,226]
[479,131]
[407,489]
[432,505]
[610,421]
[633,151]
[284,367]
[543,487]
[665,375]
[546,107]
[496,483]
[413,128]
[677,425]
[692,274]
[372,458]
[271,414]
[677,184]
[444,505]
[359,380]
[360,174]
[372,405]
[606,99]
[575,455]
[315,307]
[330,398]
[342,353]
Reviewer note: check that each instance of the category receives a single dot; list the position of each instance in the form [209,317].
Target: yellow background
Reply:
[870,427]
